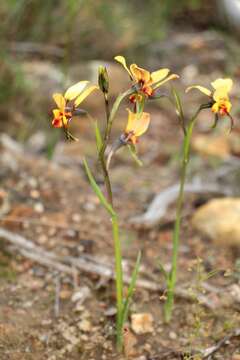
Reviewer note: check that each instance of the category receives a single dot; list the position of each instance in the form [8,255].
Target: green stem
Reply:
[101,154]
[110,115]
[110,118]
[173,273]
[107,181]
[119,279]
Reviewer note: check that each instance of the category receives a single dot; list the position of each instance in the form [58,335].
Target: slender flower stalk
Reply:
[110,116]
[119,279]
[220,105]
[172,277]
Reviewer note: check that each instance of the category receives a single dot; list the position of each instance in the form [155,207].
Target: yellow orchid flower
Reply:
[60,116]
[147,81]
[219,95]
[136,126]
[76,93]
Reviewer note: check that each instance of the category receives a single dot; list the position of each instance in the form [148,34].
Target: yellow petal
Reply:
[228,105]
[170,77]
[142,124]
[137,123]
[130,123]
[140,74]
[56,113]
[223,83]
[75,90]
[215,108]
[220,94]
[84,94]
[60,101]
[159,75]
[222,106]
[203,90]
[64,121]
[122,61]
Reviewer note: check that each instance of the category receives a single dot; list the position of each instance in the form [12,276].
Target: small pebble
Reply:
[172,335]
[35,194]
[81,295]
[39,208]
[76,218]
[85,325]
[142,323]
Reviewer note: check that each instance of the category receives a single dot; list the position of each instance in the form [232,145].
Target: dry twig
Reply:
[223,342]
[88,264]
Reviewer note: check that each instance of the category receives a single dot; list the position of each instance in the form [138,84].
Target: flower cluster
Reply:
[144,85]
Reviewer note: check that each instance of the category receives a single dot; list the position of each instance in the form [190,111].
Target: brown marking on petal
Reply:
[132,98]
[223,110]
[147,90]
[57,123]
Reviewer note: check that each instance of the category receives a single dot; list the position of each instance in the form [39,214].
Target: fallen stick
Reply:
[47,223]
[205,354]
[159,205]
[87,264]
[67,264]
[213,349]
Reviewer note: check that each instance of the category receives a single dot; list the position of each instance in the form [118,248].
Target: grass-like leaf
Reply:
[133,152]
[179,108]
[131,289]
[163,271]
[97,190]
[98,136]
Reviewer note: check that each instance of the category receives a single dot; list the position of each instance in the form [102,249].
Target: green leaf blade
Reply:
[98,136]
[131,288]
[97,190]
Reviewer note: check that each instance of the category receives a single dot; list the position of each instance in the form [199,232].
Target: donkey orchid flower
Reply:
[219,97]
[63,114]
[137,125]
[146,81]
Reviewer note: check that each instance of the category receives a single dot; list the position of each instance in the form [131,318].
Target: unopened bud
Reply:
[103,79]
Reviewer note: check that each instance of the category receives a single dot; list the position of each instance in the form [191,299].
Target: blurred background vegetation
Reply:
[39,37]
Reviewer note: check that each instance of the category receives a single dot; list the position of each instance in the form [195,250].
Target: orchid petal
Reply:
[142,124]
[223,83]
[75,90]
[220,94]
[140,74]
[122,61]
[170,77]
[56,113]
[203,90]
[137,123]
[60,101]
[159,75]
[84,94]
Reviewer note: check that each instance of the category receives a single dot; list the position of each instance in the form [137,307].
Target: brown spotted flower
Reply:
[146,83]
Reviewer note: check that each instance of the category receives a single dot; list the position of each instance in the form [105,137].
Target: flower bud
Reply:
[103,81]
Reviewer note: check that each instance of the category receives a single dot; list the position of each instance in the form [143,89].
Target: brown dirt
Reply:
[44,192]
[52,204]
